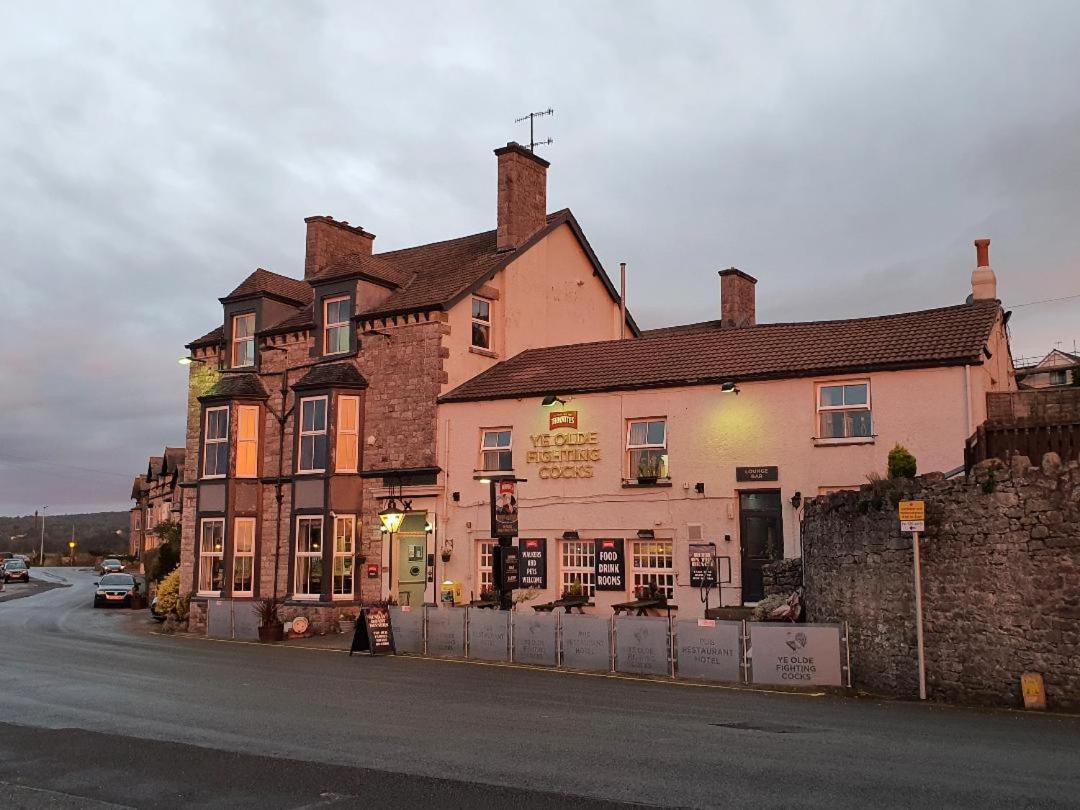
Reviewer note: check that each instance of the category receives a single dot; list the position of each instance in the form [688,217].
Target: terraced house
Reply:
[158,499]
[315,400]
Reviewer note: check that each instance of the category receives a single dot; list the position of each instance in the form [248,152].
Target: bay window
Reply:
[309,558]
[344,564]
[243,340]
[346,458]
[844,411]
[243,556]
[211,556]
[312,455]
[336,325]
[247,441]
[646,448]
[216,443]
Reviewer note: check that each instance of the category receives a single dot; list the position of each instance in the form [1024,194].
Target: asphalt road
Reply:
[96,708]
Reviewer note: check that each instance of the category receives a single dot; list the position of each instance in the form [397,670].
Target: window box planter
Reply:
[269,633]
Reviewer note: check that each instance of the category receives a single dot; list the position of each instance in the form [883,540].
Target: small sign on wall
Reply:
[610,565]
[744,474]
[532,552]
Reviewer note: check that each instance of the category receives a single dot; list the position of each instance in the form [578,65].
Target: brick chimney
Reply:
[328,240]
[737,307]
[522,195]
[983,280]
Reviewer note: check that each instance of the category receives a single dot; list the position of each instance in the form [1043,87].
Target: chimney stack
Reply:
[737,307]
[329,240]
[522,195]
[983,280]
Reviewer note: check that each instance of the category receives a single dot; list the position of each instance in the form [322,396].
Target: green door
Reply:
[412,560]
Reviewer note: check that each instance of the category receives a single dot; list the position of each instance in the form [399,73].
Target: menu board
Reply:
[507,575]
[532,558]
[373,632]
[703,565]
[610,565]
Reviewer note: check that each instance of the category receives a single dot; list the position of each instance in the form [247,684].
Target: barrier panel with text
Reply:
[536,638]
[408,627]
[796,654]
[489,635]
[709,649]
[642,645]
[586,642]
[446,632]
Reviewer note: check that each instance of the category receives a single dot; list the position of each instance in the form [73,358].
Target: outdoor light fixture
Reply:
[428,528]
[570,536]
[391,516]
[551,399]
[187,361]
[796,500]
[729,388]
[646,534]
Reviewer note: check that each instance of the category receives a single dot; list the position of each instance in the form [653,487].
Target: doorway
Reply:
[761,538]
[412,560]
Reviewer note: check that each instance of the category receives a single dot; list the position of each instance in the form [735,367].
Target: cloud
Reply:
[151,155]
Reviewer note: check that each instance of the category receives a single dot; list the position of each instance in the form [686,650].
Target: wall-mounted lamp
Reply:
[729,388]
[187,361]
[570,536]
[646,534]
[456,496]
[550,400]
[428,528]
[796,500]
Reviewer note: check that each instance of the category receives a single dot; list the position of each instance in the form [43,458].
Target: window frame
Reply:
[206,558]
[215,442]
[252,441]
[250,338]
[485,560]
[573,555]
[820,410]
[349,556]
[1056,380]
[316,556]
[301,434]
[238,555]
[476,320]
[327,326]
[485,448]
[664,472]
[663,576]
[341,432]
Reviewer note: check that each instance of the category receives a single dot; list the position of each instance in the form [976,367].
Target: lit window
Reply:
[485,559]
[243,340]
[216,443]
[309,554]
[844,411]
[211,556]
[578,566]
[646,448]
[247,441]
[654,565]
[495,450]
[243,556]
[344,538]
[348,428]
[312,457]
[335,325]
[481,323]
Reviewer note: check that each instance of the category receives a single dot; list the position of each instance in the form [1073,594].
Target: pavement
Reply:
[98,710]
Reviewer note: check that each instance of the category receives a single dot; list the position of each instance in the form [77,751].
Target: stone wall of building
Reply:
[1001,581]
[782,577]
[1046,405]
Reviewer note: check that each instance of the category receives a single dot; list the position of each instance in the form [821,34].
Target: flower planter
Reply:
[269,633]
[446,558]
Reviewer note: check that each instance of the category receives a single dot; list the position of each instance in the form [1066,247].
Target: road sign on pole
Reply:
[913,520]
[912,516]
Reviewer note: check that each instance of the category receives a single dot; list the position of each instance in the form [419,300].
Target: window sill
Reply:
[311,472]
[300,599]
[492,474]
[484,352]
[213,478]
[818,442]
[635,484]
[208,594]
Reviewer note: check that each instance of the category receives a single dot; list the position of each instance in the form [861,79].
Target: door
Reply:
[761,536]
[412,560]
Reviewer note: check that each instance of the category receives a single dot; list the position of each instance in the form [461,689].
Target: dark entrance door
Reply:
[761,535]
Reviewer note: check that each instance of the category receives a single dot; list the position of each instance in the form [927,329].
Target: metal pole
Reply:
[918,618]
[41,556]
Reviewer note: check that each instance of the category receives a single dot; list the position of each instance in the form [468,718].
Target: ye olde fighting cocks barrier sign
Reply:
[795,654]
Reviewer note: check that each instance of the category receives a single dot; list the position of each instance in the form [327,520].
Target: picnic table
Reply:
[567,602]
[639,607]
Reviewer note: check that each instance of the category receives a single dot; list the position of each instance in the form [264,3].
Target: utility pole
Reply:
[41,557]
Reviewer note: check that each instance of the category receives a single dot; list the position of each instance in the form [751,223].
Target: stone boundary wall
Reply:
[1001,581]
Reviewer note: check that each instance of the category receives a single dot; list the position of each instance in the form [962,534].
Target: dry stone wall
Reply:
[1001,581]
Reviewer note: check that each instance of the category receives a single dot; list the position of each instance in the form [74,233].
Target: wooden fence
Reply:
[1032,440]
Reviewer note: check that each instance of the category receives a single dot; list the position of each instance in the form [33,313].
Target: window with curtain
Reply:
[347,456]
[243,556]
[309,558]
[247,441]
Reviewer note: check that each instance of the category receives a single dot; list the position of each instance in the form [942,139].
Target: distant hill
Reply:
[94,530]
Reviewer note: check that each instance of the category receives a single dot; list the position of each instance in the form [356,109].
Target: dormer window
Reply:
[481,324]
[243,340]
[336,325]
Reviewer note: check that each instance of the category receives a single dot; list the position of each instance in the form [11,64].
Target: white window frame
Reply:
[824,409]
[342,432]
[209,443]
[653,561]
[347,556]
[207,557]
[314,434]
[664,471]
[239,556]
[307,555]
[577,563]
[485,559]
[486,448]
[237,341]
[476,320]
[329,326]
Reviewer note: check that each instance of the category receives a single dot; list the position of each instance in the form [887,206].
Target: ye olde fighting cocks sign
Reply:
[564,451]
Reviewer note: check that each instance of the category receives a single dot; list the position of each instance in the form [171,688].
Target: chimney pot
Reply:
[737,298]
[522,197]
[983,280]
[982,252]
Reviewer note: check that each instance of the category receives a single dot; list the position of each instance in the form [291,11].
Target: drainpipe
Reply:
[967,400]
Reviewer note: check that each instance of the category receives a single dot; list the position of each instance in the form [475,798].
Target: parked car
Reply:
[16,570]
[115,589]
[5,555]
[111,566]
[25,558]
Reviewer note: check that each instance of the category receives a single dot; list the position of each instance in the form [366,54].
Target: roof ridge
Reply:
[548,219]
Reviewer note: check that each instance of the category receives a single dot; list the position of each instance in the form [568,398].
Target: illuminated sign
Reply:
[564,451]
[562,419]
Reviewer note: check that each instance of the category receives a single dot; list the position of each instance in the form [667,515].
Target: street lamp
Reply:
[187,361]
[41,558]
[391,516]
[71,547]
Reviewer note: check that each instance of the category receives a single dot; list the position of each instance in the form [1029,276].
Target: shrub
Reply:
[901,463]
[168,594]
[167,555]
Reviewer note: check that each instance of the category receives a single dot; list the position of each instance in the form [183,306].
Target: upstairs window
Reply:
[216,443]
[646,448]
[312,457]
[844,411]
[247,441]
[336,325]
[481,324]
[243,340]
[496,449]
[347,456]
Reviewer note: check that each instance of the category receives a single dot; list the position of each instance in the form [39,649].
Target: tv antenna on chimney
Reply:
[531,117]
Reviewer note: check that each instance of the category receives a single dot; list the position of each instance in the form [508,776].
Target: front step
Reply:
[729,614]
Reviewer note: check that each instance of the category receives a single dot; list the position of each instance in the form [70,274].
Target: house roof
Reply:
[137,487]
[174,459]
[332,375]
[704,354]
[153,469]
[236,386]
[275,285]
[214,337]
[373,267]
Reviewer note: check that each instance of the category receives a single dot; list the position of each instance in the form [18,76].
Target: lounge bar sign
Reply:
[532,559]
[610,565]
[757,474]
[564,451]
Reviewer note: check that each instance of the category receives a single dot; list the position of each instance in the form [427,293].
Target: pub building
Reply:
[630,455]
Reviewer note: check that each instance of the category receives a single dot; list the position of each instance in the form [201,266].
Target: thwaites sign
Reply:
[504,509]
[610,565]
[532,560]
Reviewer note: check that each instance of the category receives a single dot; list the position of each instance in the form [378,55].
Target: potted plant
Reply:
[347,624]
[271,628]
[650,591]
[648,470]
[489,594]
[574,589]
[448,547]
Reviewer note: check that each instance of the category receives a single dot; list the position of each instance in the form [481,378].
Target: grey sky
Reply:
[153,154]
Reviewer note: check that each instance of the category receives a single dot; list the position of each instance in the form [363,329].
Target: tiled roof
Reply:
[332,375]
[297,322]
[236,386]
[374,267]
[212,338]
[153,469]
[708,354]
[264,282]
[174,459]
[137,487]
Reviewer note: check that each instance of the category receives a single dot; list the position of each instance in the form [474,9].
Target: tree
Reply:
[901,463]
[167,557]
